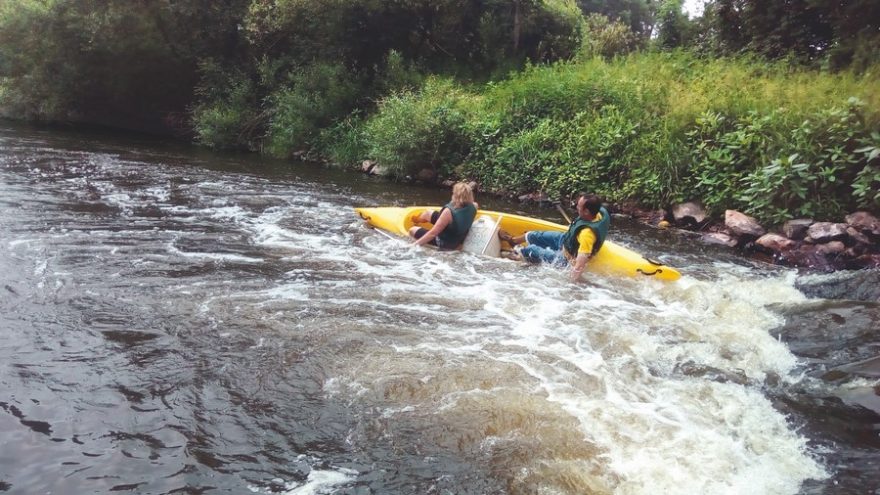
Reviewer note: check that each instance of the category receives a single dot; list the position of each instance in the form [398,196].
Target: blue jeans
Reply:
[545,246]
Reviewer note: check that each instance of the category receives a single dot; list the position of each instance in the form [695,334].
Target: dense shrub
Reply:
[413,130]
[660,128]
[605,38]
[228,115]
[314,98]
[830,171]
[344,143]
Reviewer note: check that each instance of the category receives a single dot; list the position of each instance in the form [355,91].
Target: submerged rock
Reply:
[426,174]
[861,285]
[719,238]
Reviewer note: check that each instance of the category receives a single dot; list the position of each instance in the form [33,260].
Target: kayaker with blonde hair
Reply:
[451,224]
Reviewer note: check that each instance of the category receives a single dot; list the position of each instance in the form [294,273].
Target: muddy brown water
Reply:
[178,321]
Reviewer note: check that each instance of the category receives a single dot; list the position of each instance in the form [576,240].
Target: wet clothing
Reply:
[454,233]
[582,236]
[544,246]
[575,242]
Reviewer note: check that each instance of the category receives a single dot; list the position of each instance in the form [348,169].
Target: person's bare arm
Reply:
[579,264]
[442,222]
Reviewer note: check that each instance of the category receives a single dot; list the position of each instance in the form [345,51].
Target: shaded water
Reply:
[181,322]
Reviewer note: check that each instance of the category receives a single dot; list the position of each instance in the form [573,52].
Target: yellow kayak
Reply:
[611,259]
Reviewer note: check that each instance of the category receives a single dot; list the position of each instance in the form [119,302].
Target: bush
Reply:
[413,130]
[604,38]
[344,143]
[228,116]
[314,98]
[829,172]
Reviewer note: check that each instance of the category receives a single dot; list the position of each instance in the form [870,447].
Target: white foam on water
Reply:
[660,430]
[321,482]
[172,249]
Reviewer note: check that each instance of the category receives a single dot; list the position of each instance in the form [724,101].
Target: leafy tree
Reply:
[108,61]
[437,34]
[637,14]
[674,27]
[604,38]
[810,30]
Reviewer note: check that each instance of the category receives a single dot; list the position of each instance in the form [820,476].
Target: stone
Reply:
[367,166]
[742,224]
[864,222]
[719,238]
[796,229]
[822,232]
[831,248]
[855,285]
[868,261]
[857,236]
[805,256]
[775,242]
[688,214]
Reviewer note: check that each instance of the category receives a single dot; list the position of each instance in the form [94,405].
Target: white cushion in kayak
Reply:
[483,237]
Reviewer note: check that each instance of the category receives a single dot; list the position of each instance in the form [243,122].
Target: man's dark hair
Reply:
[591,202]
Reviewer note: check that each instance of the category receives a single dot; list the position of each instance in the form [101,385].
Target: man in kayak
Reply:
[451,224]
[582,241]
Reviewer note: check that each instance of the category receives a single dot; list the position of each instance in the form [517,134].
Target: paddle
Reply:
[564,214]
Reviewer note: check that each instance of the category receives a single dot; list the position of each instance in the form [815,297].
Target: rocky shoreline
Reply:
[852,244]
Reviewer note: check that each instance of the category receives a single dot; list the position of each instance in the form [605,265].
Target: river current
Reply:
[175,321]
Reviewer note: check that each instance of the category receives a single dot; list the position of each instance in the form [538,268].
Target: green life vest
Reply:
[599,227]
[454,233]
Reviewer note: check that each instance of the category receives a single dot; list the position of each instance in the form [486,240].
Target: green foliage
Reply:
[674,28]
[113,62]
[810,31]
[228,115]
[413,130]
[724,151]
[344,143]
[397,74]
[665,127]
[441,35]
[772,169]
[637,15]
[604,38]
[314,98]
[866,186]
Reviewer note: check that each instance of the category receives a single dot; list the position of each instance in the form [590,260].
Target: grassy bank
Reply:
[651,128]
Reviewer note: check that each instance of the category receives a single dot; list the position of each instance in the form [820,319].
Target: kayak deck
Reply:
[612,259]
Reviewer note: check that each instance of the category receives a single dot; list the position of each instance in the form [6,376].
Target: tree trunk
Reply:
[517,21]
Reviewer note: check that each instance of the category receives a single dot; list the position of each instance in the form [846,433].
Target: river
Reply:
[179,321]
